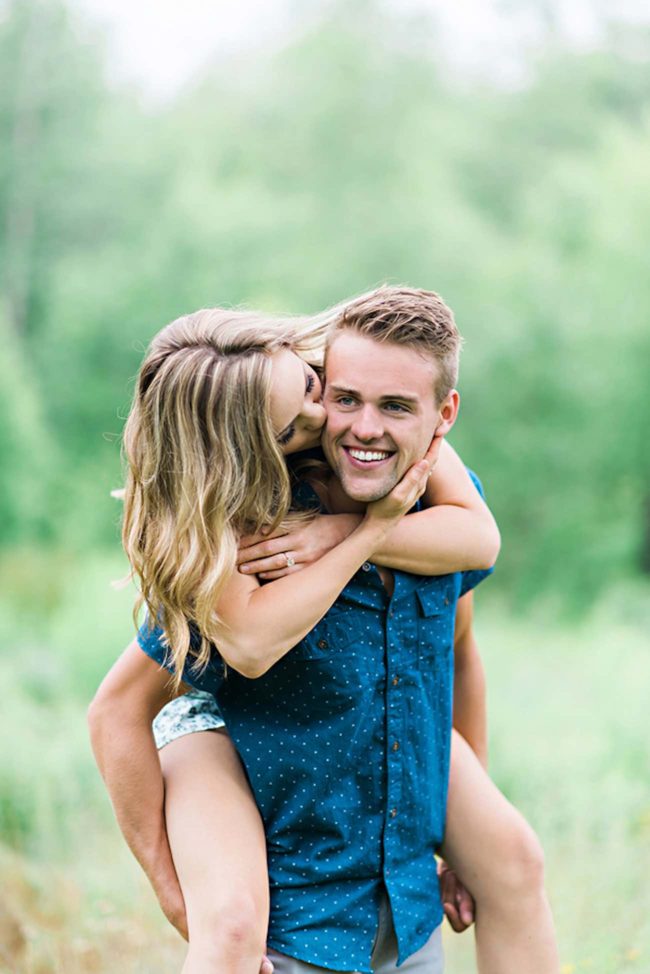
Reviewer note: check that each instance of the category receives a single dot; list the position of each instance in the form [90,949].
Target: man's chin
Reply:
[365,492]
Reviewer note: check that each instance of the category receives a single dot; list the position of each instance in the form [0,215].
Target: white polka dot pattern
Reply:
[346,743]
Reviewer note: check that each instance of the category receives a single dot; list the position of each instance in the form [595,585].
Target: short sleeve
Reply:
[151,640]
[469,580]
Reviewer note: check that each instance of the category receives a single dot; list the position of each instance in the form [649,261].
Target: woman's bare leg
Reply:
[217,841]
[499,859]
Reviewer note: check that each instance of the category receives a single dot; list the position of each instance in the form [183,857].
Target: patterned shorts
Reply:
[195,711]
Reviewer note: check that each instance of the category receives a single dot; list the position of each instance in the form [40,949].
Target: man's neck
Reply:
[338,502]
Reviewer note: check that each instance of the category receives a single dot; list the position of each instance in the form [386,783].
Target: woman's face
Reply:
[296,411]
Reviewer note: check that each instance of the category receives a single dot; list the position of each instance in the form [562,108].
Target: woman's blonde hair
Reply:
[203,462]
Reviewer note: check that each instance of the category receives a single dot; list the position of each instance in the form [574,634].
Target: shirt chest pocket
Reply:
[330,637]
[436,619]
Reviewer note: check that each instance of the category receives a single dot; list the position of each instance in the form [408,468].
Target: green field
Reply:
[568,713]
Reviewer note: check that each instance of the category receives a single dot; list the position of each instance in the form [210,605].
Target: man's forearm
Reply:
[470,710]
[128,761]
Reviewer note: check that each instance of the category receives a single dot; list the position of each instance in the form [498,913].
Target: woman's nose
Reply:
[314,416]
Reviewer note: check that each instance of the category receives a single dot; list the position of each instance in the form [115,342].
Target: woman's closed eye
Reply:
[286,435]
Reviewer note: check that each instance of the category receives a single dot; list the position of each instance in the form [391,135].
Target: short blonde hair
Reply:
[407,316]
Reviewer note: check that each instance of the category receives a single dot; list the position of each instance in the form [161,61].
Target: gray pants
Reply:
[427,960]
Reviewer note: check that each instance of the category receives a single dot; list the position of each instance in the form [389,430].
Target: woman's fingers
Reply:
[271,564]
[432,454]
[404,495]
[414,482]
[281,572]
[262,549]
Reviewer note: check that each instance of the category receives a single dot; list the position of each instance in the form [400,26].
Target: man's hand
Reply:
[172,904]
[287,551]
[456,901]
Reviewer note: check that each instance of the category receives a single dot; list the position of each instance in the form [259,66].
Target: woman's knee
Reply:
[233,927]
[520,864]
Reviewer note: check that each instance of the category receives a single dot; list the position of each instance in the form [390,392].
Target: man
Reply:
[345,738]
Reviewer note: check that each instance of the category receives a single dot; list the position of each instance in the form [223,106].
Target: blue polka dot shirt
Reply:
[346,742]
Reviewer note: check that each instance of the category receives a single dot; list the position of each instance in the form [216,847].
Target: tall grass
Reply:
[568,716]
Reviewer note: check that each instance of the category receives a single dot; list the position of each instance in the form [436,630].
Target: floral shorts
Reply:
[195,711]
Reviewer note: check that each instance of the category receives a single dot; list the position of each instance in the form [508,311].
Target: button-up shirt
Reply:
[346,741]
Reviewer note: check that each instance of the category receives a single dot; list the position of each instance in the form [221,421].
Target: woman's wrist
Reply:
[376,529]
[345,524]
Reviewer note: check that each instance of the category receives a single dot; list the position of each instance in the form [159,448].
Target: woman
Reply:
[206,468]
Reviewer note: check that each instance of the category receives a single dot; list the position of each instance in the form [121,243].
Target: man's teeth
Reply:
[368,455]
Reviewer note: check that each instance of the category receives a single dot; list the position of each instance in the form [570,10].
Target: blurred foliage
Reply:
[289,181]
[343,160]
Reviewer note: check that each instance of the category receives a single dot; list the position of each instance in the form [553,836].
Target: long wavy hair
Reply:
[203,462]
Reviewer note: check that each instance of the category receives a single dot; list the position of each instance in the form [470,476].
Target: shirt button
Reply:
[395,681]
[366,566]
[393,812]
[322,644]
[446,601]
[396,745]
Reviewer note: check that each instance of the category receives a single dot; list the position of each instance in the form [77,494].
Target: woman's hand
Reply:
[285,551]
[409,489]
[272,556]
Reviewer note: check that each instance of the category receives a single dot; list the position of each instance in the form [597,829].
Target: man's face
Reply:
[381,412]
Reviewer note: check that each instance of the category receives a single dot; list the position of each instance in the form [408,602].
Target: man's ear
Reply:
[448,412]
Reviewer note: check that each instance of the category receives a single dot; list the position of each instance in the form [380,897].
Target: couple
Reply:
[323,601]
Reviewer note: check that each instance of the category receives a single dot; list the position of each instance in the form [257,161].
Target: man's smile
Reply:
[364,459]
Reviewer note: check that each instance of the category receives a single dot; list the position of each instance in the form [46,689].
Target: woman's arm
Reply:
[262,623]
[456,532]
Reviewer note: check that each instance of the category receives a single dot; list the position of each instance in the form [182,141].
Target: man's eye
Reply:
[395,407]
[345,400]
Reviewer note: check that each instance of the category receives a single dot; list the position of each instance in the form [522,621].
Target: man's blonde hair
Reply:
[411,317]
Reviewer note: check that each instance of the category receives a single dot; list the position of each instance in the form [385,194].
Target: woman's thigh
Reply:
[214,828]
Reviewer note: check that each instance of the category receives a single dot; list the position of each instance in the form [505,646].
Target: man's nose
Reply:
[367,425]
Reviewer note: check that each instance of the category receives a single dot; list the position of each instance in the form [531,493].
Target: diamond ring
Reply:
[291,561]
